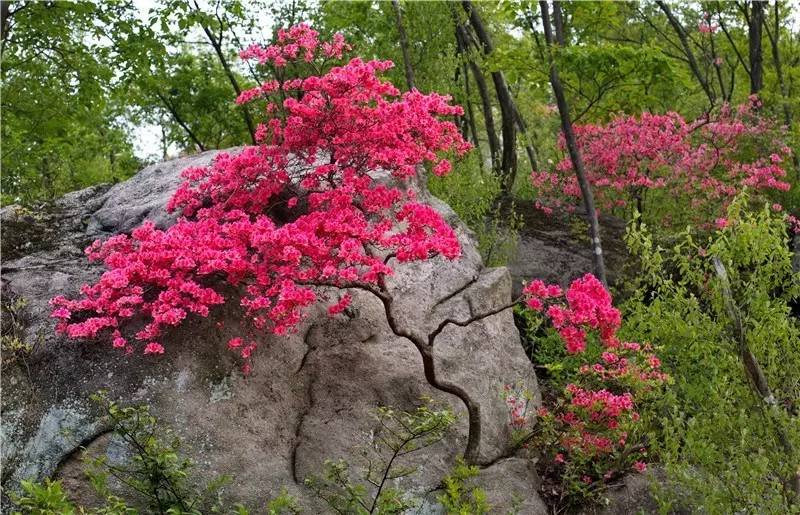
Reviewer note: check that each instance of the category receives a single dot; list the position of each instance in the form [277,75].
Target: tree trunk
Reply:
[462,41]
[754,38]
[758,380]
[472,450]
[471,115]
[718,72]
[398,15]
[558,23]
[508,167]
[574,151]
[229,73]
[5,17]
[509,132]
[523,130]
[179,120]
[784,87]
[687,49]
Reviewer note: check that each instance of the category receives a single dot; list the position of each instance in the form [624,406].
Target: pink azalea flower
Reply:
[153,348]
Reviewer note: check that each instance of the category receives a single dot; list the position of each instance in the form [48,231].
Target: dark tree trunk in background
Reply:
[398,16]
[756,22]
[470,111]
[488,115]
[179,120]
[726,97]
[523,129]
[217,44]
[5,16]
[508,167]
[509,162]
[572,147]
[462,43]
[687,50]
[774,40]
[518,120]
[558,23]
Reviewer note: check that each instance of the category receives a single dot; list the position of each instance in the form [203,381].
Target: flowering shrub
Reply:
[590,433]
[301,208]
[698,166]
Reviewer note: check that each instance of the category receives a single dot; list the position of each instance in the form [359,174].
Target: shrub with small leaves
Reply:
[283,504]
[461,496]
[401,433]
[154,476]
[13,346]
[43,498]
[49,498]
[723,445]
[155,472]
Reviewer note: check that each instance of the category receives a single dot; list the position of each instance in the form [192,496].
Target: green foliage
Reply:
[48,498]
[720,443]
[155,474]
[62,125]
[460,496]
[473,193]
[43,499]
[190,97]
[400,434]
[156,471]
[283,504]
[370,26]
[78,75]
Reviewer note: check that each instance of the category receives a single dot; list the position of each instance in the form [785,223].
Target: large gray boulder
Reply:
[310,395]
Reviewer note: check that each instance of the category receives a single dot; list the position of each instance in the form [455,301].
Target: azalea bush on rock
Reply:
[304,208]
[589,432]
[690,170]
[314,164]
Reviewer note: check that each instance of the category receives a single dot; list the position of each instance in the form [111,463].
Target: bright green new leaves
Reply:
[721,444]
[63,126]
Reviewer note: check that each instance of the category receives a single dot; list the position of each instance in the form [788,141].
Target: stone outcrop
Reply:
[310,396]
[557,250]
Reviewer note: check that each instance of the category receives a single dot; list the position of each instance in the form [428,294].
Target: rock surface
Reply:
[634,494]
[558,251]
[310,395]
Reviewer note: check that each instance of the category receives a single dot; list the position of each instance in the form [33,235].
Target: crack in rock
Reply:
[461,289]
[309,404]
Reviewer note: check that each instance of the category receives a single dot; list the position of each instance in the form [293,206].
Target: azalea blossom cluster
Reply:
[591,431]
[588,307]
[292,42]
[702,164]
[320,200]
[705,26]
